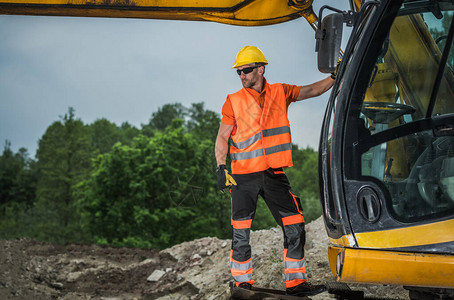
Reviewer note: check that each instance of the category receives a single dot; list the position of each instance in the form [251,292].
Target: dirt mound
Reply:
[191,270]
[34,270]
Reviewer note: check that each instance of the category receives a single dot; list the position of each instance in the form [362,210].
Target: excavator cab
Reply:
[387,149]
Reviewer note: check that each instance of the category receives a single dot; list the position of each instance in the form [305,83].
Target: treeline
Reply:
[123,186]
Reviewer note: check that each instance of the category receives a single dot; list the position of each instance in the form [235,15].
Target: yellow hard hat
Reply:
[249,55]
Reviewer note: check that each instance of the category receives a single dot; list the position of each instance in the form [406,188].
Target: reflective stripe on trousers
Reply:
[295,265]
[295,271]
[241,271]
[241,267]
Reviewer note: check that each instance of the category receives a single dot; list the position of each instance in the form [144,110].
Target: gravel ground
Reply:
[191,270]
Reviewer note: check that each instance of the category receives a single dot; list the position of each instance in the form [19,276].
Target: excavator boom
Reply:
[232,12]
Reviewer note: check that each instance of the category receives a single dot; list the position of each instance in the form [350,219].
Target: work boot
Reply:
[305,289]
[245,285]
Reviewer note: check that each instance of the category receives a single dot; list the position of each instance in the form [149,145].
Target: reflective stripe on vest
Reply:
[246,155]
[262,137]
[259,152]
[258,136]
[278,148]
[248,142]
[276,131]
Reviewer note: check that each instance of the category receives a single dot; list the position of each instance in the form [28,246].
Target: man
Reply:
[255,118]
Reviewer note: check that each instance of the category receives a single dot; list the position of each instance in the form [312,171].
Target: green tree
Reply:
[64,159]
[152,193]
[146,191]
[202,122]
[161,119]
[17,192]
[17,176]
[104,135]
[128,133]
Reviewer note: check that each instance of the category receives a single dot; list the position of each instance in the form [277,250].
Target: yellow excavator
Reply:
[232,12]
[386,154]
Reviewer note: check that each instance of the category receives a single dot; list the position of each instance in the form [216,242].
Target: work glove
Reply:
[334,74]
[225,180]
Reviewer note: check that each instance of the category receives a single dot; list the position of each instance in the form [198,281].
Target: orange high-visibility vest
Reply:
[262,138]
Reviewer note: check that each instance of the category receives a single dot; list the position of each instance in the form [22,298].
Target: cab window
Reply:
[410,89]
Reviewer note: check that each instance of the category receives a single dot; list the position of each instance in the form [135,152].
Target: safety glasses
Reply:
[246,70]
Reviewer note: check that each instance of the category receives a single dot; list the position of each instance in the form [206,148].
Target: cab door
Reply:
[398,134]
[387,144]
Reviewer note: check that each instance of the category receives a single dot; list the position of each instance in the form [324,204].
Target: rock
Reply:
[156,276]
[205,242]
[167,257]
[186,288]
[147,261]
[74,276]
[174,297]
[56,285]
[224,244]
[207,262]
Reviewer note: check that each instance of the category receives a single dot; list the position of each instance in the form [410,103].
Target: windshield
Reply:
[411,85]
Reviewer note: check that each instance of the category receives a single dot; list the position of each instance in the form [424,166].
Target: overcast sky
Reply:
[125,69]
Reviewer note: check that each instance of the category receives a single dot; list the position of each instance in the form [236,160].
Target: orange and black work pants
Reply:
[274,187]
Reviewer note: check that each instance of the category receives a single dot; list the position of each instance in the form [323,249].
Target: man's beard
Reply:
[247,83]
